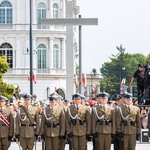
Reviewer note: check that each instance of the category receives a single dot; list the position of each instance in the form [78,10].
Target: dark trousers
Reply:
[140,90]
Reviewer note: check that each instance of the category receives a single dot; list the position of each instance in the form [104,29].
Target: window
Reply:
[6,50]
[41,13]
[6,12]
[55,57]
[55,10]
[41,56]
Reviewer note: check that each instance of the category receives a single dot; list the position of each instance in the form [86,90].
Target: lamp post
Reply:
[94,73]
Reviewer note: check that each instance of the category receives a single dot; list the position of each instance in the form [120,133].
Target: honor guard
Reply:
[78,123]
[27,124]
[52,124]
[128,123]
[6,125]
[103,122]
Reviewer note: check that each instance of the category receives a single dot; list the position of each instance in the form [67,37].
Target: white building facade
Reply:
[49,45]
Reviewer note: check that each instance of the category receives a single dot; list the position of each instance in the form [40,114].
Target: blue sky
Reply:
[125,22]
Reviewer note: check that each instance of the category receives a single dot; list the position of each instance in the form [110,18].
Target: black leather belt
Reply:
[125,122]
[27,125]
[52,124]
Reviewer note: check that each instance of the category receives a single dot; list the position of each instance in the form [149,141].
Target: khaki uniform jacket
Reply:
[134,115]
[108,114]
[23,119]
[82,114]
[4,130]
[55,116]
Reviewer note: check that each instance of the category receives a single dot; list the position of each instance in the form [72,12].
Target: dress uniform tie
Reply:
[129,108]
[77,107]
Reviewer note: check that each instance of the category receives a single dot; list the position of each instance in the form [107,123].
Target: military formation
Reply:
[76,123]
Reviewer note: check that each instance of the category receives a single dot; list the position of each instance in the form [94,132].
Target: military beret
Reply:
[66,101]
[2,98]
[76,96]
[103,94]
[26,96]
[52,98]
[128,96]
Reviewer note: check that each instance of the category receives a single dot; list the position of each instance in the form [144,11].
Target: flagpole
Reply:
[31,50]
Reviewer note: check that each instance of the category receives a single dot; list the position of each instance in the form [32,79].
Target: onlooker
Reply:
[139,74]
[34,100]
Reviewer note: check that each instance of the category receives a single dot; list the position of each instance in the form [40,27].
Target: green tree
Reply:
[5,89]
[122,65]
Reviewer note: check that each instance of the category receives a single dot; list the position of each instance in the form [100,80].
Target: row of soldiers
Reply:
[77,122]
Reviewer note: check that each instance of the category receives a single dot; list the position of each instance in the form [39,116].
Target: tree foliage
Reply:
[122,65]
[5,89]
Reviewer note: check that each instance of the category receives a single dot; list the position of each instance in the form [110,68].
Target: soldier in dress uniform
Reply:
[78,123]
[103,122]
[6,125]
[52,125]
[27,124]
[60,104]
[129,123]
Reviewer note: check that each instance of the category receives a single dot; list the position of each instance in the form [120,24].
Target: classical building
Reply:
[49,47]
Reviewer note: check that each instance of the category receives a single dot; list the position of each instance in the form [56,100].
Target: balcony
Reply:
[23,71]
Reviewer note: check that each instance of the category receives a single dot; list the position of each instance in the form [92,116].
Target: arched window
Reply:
[41,56]
[55,10]
[6,50]
[6,12]
[55,57]
[41,12]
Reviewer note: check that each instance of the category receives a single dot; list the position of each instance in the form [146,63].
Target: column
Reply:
[63,47]
[18,54]
[51,43]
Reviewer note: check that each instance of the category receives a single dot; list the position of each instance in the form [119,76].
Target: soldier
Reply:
[103,122]
[128,122]
[78,123]
[27,124]
[52,125]
[118,143]
[6,125]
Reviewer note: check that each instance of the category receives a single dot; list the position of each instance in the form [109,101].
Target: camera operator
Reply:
[139,74]
[146,93]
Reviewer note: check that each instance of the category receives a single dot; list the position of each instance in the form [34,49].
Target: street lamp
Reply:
[94,73]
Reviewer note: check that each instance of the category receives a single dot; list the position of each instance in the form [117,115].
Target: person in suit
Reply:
[128,122]
[6,125]
[78,123]
[27,124]
[52,124]
[103,122]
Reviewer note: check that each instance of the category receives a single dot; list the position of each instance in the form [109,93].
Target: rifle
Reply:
[95,143]
[69,142]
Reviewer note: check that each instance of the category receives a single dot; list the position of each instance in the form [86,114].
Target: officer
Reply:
[52,124]
[6,125]
[27,124]
[128,122]
[78,123]
[103,122]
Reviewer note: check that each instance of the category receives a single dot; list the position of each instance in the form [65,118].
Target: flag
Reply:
[76,80]
[84,80]
[94,87]
[34,78]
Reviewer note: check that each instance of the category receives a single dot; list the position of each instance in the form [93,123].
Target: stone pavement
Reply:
[139,146]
